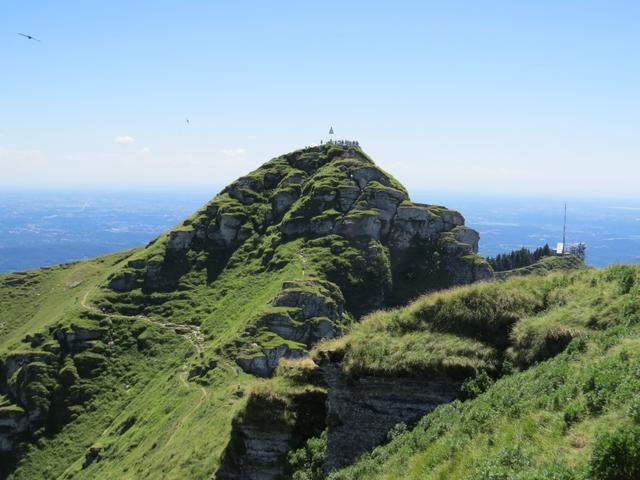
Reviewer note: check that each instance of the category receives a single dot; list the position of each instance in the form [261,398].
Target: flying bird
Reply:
[29,37]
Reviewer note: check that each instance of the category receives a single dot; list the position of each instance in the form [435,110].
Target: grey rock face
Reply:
[463,271]
[124,282]
[361,412]
[263,455]
[282,201]
[414,222]
[364,175]
[304,312]
[297,178]
[347,196]
[384,199]
[180,240]
[467,236]
[12,362]
[17,423]
[225,231]
[261,438]
[76,338]
[264,363]
[153,275]
[13,424]
[355,226]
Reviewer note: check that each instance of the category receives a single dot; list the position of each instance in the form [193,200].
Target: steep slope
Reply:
[139,365]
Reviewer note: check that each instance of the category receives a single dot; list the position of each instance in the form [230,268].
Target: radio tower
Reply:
[564,231]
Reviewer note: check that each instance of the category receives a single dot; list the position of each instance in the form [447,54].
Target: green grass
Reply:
[42,297]
[545,265]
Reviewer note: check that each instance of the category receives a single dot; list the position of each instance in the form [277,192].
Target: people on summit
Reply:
[345,143]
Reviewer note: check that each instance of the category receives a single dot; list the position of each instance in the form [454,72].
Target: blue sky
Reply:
[519,97]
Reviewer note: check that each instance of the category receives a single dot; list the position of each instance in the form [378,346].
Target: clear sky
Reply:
[524,97]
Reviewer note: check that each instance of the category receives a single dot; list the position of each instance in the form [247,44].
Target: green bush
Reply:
[616,456]
[307,462]
[476,385]
[573,413]
[634,409]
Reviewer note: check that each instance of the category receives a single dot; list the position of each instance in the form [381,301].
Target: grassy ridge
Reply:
[570,417]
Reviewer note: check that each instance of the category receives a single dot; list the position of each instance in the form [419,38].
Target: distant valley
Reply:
[39,227]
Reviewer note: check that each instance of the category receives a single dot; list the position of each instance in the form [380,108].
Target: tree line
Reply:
[519,258]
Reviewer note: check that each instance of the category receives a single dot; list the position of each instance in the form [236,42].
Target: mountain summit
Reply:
[140,364]
[362,244]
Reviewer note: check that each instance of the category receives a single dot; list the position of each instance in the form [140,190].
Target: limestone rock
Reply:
[124,282]
[268,429]
[362,411]
[468,236]
[347,197]
[226,230]
[304,312]
[282,201]
[264,363]
[364,175]
[180,240]
[361,224]
[75,339]
[13,424]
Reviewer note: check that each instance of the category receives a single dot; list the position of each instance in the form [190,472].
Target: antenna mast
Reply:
[564,231]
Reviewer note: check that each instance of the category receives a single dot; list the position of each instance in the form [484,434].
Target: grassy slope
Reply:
[180,427]
[36,299]
[542,423]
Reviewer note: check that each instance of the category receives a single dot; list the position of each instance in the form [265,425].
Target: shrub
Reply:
[634,409]
[616,456]
[573,413]
[308,462]
[474,386]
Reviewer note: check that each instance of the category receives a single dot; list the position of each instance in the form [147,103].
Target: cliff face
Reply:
[362,243]
[361,412]
[266,430]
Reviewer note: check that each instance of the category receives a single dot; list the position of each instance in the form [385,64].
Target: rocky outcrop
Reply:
[265,431]
[37,386]
[361,412]
[304,312]
[334,201]
[14,424]
[75,338]
[180,240]
[313,193]
[264,362]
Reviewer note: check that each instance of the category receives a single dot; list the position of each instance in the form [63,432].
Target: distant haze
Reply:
[533,98]
[45,227]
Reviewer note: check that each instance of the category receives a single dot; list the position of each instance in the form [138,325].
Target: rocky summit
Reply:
[361,242]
